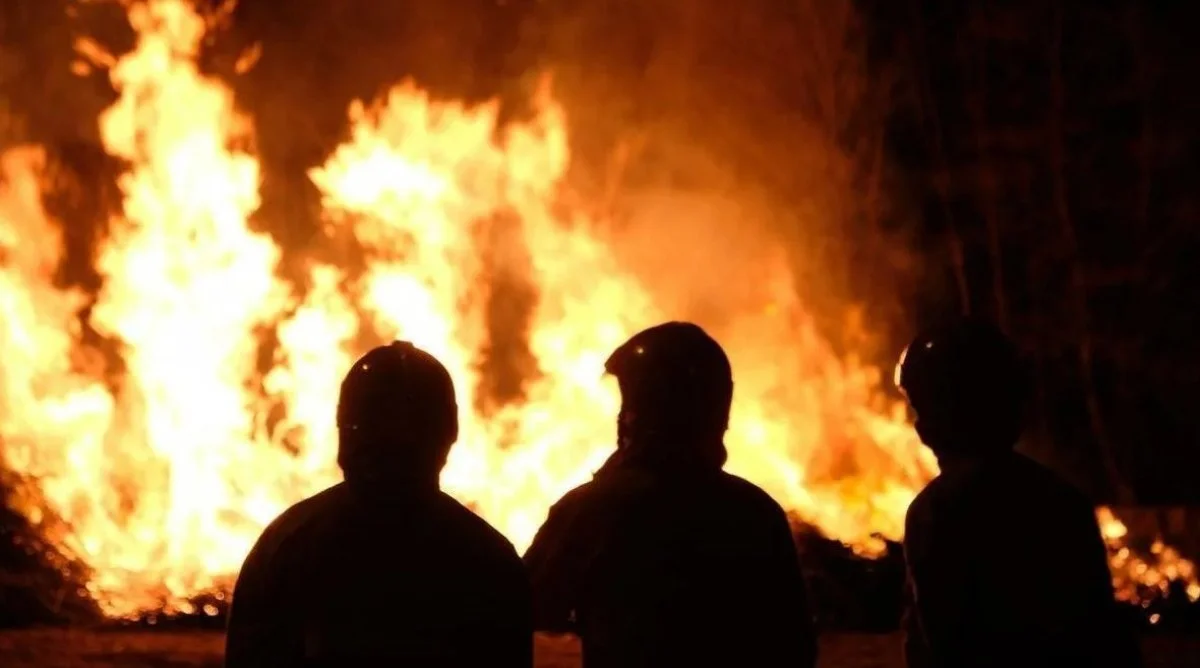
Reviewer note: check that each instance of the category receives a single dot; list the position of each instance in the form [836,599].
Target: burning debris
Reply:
[38,585]
[1147,573]
[164,471]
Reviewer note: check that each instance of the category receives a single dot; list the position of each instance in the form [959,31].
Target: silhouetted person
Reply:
[384,568]
[1006,563]
[663,559]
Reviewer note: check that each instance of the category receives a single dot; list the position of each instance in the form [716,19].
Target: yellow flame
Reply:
[164,470]
[1134,573]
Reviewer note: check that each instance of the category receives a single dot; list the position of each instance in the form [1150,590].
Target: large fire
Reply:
[160,472]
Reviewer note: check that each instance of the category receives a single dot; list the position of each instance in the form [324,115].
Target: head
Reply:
[966,384]
[397,417]
[676,390]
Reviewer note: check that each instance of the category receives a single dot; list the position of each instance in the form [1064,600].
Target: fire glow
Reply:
[161,473]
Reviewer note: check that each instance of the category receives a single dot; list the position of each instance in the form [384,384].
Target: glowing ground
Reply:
[112,649]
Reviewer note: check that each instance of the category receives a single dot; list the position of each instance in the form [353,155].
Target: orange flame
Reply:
[164,471]
[1133,572]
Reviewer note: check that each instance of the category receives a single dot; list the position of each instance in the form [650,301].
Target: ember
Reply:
[1140,577]
[160,474]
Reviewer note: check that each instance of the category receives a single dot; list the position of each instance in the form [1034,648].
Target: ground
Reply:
[125,649]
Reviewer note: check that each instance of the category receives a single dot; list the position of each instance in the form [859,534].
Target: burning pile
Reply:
[1143,579]
[160,470]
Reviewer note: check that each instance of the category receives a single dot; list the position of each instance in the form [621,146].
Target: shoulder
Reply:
[735,505]
[283,540]
[729,490]
[926,506]
[955,491]
[580,495]
[1052,493]
[578,502]
[749,495]
[315,505]
[293,521]
[591,509]
[477,531]
[603,490]
[930,494]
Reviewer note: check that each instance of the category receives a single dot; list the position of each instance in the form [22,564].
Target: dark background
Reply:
[1034,161]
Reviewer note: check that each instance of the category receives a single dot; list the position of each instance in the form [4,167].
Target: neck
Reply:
[950,461]
[383,483]
[673,452]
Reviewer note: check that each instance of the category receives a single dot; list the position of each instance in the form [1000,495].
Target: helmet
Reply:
[397,405]
[967,374]
[676,373]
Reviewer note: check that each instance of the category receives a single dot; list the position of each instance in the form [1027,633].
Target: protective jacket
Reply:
[1007,567]
[352,577]
[669,566]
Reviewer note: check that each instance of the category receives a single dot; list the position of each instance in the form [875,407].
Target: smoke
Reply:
[722,132]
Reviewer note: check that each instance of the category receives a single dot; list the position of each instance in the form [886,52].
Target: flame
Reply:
[161,470]
[1134,574]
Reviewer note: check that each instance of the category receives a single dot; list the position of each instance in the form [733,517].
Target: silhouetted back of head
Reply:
[397,417]
[676,389]
[967,385]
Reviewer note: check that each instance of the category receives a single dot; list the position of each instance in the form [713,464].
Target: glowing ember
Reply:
[160,473]
[1133,573]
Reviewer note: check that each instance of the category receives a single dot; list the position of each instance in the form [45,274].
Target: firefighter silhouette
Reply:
[384,568]
[663,559]
[1006,564]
